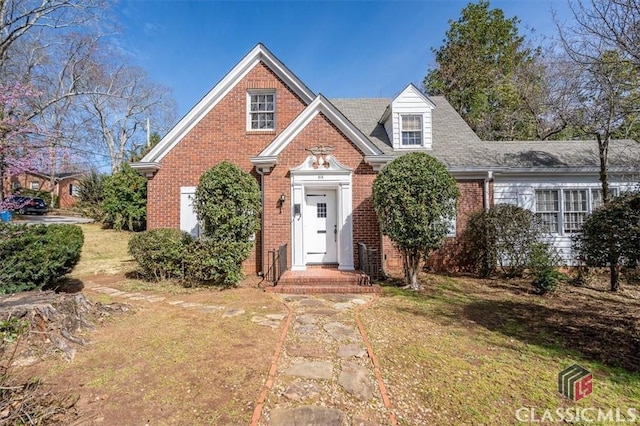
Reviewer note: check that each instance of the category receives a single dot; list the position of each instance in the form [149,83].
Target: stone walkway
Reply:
[324,375]
[321,372]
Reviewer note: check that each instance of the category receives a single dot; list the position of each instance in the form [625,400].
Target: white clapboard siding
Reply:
[520,191]
[412,102]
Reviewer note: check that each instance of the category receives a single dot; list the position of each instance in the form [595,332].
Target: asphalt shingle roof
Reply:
[457,146]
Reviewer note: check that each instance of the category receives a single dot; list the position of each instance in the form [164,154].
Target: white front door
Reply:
[320,227]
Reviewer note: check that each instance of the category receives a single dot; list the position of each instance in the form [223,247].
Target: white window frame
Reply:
[402,131]
[74,190]
[250,113]
[34,185]
[562,212]
[557,212]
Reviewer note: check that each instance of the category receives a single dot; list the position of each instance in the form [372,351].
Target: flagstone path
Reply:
[323,370]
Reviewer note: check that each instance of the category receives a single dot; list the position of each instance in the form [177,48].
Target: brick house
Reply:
[65,185]
[315,160]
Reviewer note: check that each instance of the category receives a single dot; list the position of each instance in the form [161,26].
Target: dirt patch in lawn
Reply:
[469,351]
[168,364]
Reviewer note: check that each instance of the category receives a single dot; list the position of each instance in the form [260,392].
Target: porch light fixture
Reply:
[281,201]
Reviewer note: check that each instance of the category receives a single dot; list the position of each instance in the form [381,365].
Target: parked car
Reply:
[26,205]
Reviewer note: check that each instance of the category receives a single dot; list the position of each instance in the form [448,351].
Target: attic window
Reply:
[262,111]
[411,130]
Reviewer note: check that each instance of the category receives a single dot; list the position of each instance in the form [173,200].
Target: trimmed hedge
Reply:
[170,253]
[37,255]
[160,253]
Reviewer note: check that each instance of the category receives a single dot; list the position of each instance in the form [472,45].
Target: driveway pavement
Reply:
[47,220]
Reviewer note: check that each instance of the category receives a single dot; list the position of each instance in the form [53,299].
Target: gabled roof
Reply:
[321,105]
[258,54]
[451,134]
[410,88]
[57,176]
[268,157]
[459,148]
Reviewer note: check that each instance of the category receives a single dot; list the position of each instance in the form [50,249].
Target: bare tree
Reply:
[603,43]
[118,100]
[20,17]
[603,25]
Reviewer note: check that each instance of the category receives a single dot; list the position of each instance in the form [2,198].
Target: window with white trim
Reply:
[411,127]
[262,110]
[34,185]
[548,209]
[596,197]
[74,190]
[564,211]
[576,209]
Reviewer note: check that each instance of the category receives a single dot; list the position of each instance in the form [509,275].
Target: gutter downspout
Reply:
[487,198]
[261,173]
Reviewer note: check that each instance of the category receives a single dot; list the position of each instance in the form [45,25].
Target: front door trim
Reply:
[307,178]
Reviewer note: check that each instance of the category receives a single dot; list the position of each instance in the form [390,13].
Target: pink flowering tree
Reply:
[17,151]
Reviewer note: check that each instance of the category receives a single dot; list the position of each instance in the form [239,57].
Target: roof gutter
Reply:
[146,169]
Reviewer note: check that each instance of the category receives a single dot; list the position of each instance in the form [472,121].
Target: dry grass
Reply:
[467,351]
[104,252]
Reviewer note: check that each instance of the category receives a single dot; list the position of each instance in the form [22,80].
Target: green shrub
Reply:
[91,195]
[213,262]
[160,253]
[228,203]
[543,267]
[37,255]
[125,200]
[610,236]
[501,238]
[415,200]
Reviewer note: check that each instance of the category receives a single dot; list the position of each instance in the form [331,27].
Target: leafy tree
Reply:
[611,236]
[125,200]
[228,204]
[91,194]
[139,152]
[415,199]
[480,71]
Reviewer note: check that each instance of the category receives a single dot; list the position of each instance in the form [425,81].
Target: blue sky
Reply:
[341,49]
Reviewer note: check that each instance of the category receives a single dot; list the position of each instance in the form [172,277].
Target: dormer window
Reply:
[261,110]
[411,130]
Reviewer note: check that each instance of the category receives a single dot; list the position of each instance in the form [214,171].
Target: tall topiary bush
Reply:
[228,204]
[611,236]
[37,255]
[124,201]
[415,199]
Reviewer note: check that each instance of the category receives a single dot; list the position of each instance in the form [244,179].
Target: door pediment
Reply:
[325,165]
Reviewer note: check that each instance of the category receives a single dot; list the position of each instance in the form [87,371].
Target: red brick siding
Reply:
[320,131]
[220,135]
[448,257]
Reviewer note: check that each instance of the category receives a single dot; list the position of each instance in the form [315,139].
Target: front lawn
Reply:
[469,351]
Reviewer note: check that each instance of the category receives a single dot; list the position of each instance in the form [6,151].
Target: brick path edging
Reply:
[257,411]
[374,361]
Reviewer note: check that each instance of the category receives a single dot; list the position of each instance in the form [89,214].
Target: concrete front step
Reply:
[323,288]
